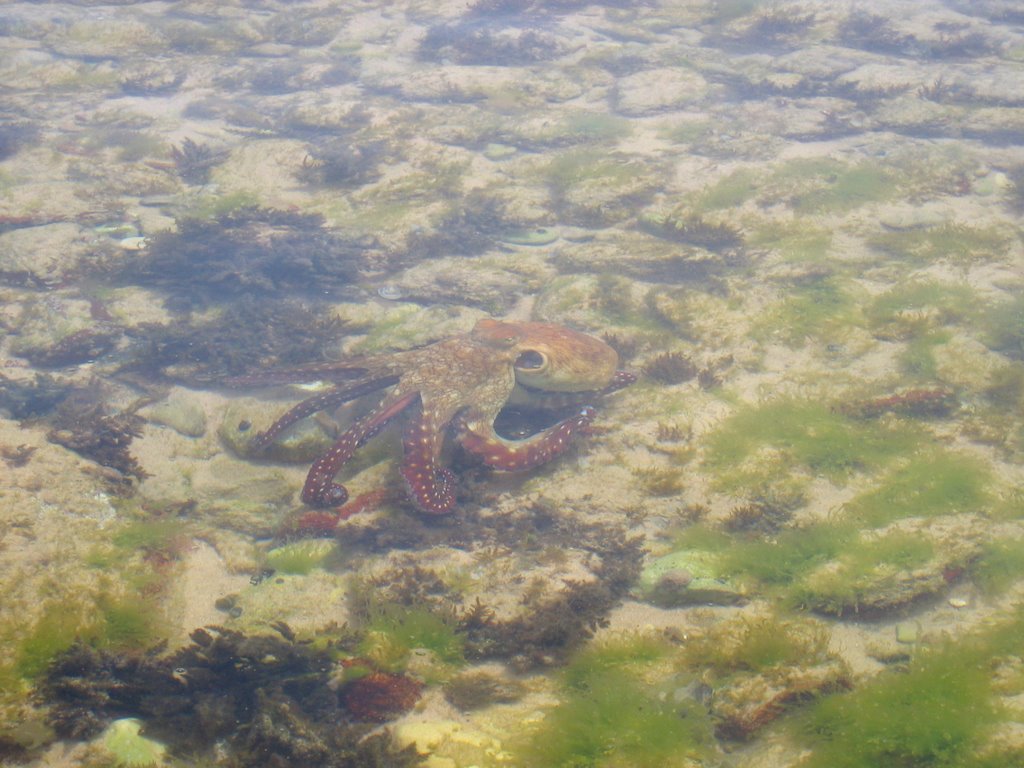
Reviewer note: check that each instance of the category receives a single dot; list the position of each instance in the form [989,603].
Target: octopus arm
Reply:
[320,490]
[431,486]
[479,438]
[332,398]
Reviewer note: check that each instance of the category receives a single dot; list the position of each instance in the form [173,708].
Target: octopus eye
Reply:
[531,360]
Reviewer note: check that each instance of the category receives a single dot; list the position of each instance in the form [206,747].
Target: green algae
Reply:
[610,715]
[939,712]
[824,185]
[756,645]
[918,357]
[114,622]
[958,244]
[302,557]
[1004,328]
[730,192]
[866,572]
[394,632]
[786,558]
[845,188]
[821,309]
[930,483]
[752,447]
[911,309]
[999,566]
[796,241]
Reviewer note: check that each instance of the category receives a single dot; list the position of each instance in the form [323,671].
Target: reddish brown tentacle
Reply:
[431,486]
[320,490]
[332,398]
[514,455]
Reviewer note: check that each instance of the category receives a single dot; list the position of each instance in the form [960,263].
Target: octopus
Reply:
[455,387]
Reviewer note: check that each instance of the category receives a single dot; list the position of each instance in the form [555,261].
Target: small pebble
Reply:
[958,602]
[907,632]
[391,292]
[226,603]
[235,612]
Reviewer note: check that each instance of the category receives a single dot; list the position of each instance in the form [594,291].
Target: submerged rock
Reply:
[688,577]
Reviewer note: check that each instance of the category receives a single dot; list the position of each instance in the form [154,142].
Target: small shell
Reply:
[133,243]
[391,292]
[958,602]
[533,236]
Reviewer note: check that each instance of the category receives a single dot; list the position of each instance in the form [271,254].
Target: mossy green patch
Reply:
[939,712]
[910,309]
[126,622]
[585,166]
[796,241]
[730,192]
[611,715]
[824,185]
[302,557]
[756,645]
[55,631]
[1000,566]
[759,442]
[959,244]
[918,357]
[864,568]
[928,483]
[847,188]
[1004,328]
[821,308]
[786,558]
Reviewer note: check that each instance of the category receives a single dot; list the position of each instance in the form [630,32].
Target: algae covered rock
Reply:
[659,90]
[687,577]
[179,412]
[128,748]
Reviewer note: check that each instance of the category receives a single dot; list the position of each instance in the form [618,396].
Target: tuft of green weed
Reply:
[759,441]
[929,483]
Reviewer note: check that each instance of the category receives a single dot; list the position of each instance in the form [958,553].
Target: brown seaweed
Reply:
[268,701]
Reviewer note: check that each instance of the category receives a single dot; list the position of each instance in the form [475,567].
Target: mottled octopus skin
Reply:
[455,386]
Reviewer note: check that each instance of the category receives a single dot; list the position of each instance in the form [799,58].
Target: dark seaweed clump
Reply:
[474,43]
[470,230]
[695,230]
[252,251]
[27,400]
[552,625]
[671,368]
[871,32]
[74,349]
[86,427]
[269,700]
[249,334]
[13,136]
[194,161]
[555,619]
[340,163]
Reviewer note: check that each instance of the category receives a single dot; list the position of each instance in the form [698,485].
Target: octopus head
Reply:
[551,357]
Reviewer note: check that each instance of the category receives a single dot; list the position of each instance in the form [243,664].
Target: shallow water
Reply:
[796,539]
